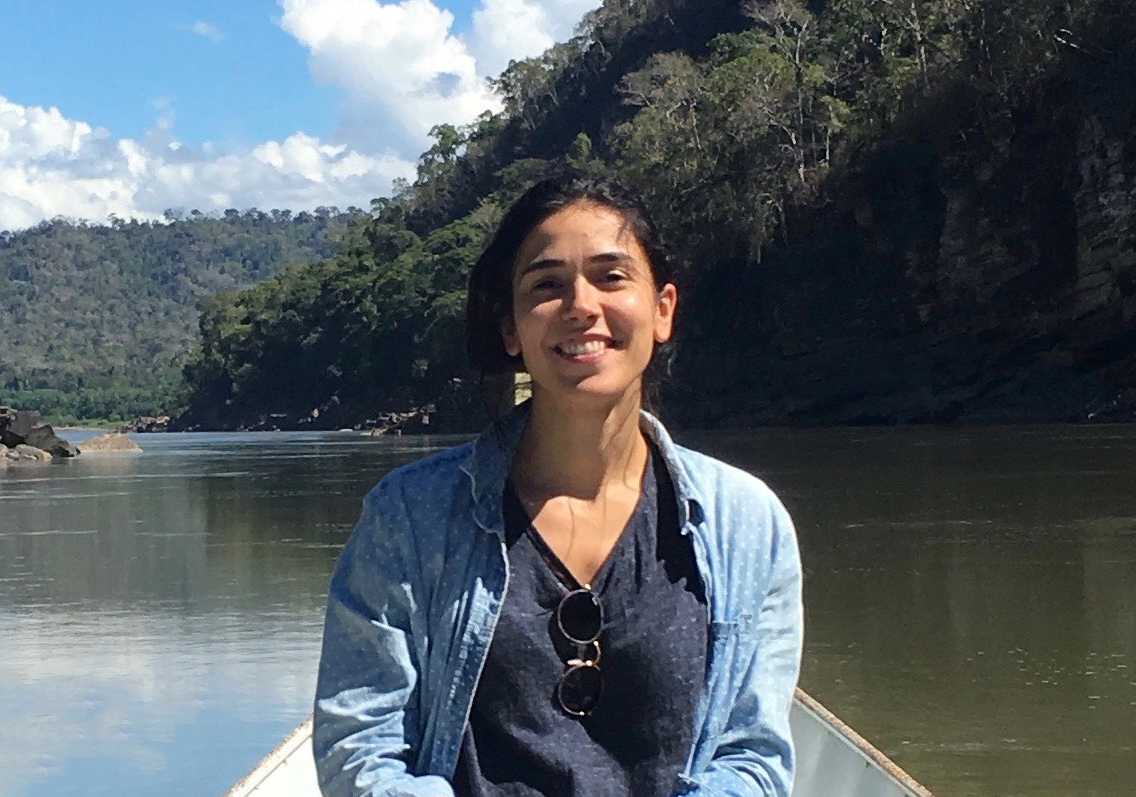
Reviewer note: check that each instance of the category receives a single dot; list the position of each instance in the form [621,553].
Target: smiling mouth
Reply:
[585,348]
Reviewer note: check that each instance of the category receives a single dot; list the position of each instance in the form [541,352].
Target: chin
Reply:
[594,393]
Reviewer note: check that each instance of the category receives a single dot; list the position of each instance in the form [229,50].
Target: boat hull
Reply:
[832,761]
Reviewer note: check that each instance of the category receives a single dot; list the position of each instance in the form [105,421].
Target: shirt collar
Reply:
[488,467]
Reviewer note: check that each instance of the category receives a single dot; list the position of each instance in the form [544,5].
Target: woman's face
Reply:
[586,311]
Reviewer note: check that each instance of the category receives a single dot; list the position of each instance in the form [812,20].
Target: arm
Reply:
[366,725]
[754,754]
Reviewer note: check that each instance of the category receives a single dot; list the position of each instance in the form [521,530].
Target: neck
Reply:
[579,451]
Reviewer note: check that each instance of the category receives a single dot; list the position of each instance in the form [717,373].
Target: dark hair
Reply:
[490,299]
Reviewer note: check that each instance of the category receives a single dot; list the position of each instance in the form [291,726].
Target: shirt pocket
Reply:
[740,628]
[731,643]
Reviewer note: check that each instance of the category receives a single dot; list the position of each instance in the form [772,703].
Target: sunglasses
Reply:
[580,618]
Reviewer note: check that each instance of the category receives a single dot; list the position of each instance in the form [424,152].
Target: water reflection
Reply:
[160,613]
[971,601]
[971,598]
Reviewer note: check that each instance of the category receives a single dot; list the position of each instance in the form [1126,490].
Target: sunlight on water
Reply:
[971,601]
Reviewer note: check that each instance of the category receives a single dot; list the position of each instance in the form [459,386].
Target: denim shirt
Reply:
[418,589]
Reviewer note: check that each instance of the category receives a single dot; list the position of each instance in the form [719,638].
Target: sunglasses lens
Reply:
[580,616]
[580,689]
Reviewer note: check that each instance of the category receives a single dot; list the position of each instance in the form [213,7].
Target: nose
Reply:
[581,300]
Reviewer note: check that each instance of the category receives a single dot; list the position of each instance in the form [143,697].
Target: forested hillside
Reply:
[95,320]
[884,211]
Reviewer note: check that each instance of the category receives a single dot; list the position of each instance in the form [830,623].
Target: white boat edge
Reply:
[832,761]
[293,754]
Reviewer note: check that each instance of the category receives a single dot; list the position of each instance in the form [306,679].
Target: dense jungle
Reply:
[96,321]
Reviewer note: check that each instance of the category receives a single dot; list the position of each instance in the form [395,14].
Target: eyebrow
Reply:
[552,262]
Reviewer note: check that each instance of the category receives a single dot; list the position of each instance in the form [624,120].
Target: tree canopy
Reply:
[96,320]
[729,117]
[736,120]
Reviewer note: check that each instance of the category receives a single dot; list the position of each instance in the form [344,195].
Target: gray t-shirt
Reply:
[519,742]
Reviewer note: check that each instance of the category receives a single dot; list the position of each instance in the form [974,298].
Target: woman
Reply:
[571,604]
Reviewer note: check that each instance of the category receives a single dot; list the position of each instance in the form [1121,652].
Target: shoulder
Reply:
[421,480]
[416,496]
[741,520]
[704,478]
[717,483]
[426,492]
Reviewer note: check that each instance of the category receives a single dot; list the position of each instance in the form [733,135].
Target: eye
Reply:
[545,284]
[615,277]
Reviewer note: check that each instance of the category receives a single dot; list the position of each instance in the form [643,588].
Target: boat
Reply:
[835,761]
[832,761]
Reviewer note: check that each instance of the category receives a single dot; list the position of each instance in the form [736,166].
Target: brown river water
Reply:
[970,600]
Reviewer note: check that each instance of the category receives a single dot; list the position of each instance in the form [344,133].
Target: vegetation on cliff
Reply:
[883,210]
[744,124]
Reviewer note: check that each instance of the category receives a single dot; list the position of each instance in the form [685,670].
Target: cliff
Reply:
[880,213]
[975,274]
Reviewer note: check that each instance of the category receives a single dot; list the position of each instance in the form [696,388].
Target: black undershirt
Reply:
[519,742]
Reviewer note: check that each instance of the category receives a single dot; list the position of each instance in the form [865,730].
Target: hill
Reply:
[95,318]
[883,212]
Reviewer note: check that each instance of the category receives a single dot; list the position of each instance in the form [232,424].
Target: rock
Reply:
[147,423]
[27,427]
[415,420]
[15,425]
[45,438]
[26,453]
[113,443]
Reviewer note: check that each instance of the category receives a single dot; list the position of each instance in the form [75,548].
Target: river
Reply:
[970,600]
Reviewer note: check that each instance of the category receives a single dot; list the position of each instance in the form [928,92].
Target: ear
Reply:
[509,338]
[664,313]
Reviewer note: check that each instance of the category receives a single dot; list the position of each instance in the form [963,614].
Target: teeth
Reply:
[590,347]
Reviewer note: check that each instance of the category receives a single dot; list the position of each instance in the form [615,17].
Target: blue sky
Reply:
[128,107]
[112,63]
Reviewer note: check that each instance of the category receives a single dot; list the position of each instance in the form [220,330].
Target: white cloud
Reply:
[54,166]
[400,68]
[507,30]
[208,31]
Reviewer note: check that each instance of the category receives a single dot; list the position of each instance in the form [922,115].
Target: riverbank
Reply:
[1016,401]
[1029,395]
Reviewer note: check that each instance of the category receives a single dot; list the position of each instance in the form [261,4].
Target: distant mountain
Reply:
[94,318]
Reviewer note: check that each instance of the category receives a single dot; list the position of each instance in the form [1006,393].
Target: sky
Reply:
[129,108]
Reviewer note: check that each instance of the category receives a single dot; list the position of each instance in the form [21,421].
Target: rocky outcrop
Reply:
[461,407]
[26,453]
[415,421]
[147,424]
[978,275]
[113,443]
[26,429]
[14,425]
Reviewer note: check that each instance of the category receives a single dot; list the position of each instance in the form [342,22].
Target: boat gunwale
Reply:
[860,743]
[273,761]
[301,733]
